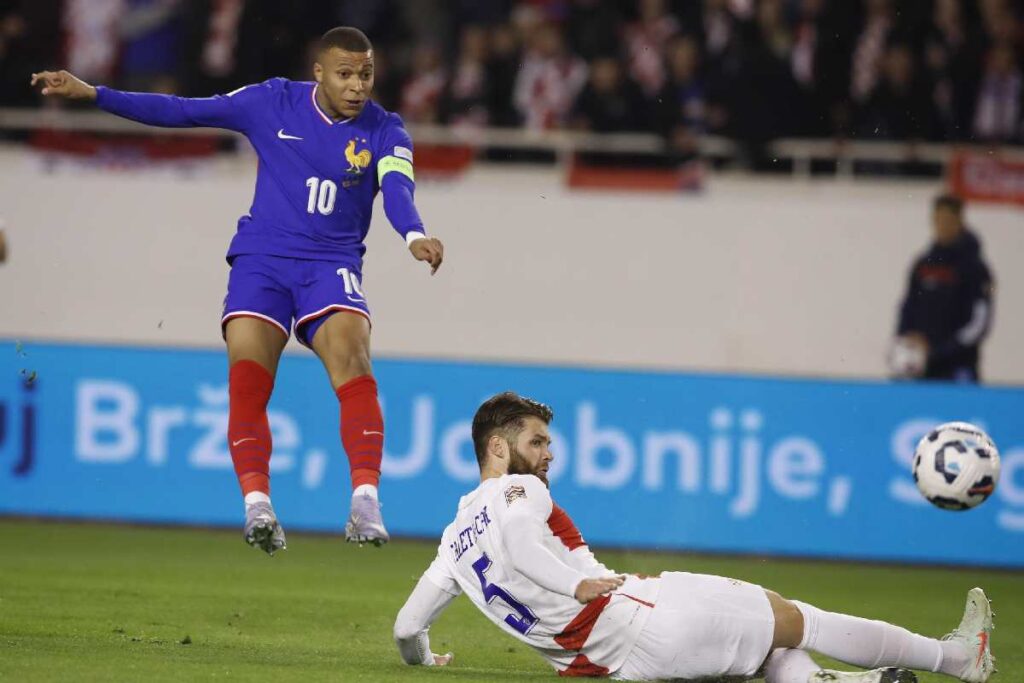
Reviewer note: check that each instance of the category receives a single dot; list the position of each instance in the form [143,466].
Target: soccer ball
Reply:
[907,360]
[956,466]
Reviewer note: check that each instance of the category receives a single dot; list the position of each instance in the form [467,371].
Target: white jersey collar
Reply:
[316,105]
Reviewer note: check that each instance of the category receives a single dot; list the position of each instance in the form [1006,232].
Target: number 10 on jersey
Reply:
[322,194]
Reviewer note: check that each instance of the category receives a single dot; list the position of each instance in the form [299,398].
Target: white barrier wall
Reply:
[765,276]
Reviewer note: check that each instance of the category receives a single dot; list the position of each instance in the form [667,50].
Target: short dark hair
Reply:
[347,38]
[949,201]
[505,412]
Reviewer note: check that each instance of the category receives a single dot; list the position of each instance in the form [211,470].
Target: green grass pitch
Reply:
[110,603]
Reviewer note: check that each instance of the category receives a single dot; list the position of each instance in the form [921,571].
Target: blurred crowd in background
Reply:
[753,70]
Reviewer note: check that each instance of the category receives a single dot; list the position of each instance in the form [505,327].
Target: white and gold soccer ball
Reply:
[956,466]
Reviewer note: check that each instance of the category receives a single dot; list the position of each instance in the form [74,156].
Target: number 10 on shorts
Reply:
[351,285]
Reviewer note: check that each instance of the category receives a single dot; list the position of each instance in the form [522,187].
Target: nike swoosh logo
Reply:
[235,443]
[983,637]
[284,136]
[366,433]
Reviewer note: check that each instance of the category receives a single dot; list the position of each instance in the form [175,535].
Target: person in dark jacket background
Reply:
[948,306]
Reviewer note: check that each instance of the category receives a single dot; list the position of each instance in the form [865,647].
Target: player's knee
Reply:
[789,621]
[346,365]
[404,630]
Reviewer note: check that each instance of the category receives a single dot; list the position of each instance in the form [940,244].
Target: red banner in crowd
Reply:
[987,178]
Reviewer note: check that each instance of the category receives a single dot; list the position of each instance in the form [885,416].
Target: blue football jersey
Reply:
[317,177]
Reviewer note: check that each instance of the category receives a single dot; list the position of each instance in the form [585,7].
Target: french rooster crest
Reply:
[357,161]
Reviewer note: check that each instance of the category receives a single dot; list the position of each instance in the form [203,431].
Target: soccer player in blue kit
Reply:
[325,149]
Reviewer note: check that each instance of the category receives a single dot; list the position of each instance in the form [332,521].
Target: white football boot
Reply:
[365,524]
[262,529]
[886,675]
[973,633]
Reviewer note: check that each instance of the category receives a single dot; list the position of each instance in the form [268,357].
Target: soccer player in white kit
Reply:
[521,560]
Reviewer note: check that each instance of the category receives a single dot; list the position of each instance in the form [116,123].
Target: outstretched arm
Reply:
[169,111]
[398,185]
[400,209]
[529,557]
[528,513]
[425,604]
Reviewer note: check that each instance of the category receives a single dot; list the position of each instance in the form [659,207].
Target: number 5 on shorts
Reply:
[526,619]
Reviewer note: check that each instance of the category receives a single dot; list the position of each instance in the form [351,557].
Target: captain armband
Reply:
[392,163]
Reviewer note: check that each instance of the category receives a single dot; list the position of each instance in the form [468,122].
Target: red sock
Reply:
[249,387]
[362,429]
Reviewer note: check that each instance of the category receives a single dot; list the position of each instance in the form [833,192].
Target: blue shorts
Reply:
[291,292]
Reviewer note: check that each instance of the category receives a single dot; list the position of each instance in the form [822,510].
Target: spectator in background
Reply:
[870,49]
[549,80]
[719,30]
[803,64]
[897,108]
[502,72]
[211,33]
[948,306]
[29,36]
[274,37]
[997,115]
[646,40]
[12,26]
[1001,21]
[947,67]
[151,34]
[768,67]
[480,12]
[610,102]
[820,66]
[775,33]
[683,111]
[763,90]
[805,42]
[836,33]
[91,37]
[465,99]
[421,93]
[593,27]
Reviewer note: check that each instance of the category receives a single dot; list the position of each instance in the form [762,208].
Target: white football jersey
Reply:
[473,558]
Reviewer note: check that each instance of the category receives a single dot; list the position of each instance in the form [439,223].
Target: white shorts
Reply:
[702,626]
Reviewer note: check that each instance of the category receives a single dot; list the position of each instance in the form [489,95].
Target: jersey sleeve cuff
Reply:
[414,235]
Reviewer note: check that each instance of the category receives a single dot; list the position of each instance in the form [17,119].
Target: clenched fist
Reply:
[63,84]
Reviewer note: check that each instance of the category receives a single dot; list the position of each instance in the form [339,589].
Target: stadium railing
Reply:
[842,155]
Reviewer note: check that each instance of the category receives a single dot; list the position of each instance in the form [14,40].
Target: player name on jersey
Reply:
[467,537]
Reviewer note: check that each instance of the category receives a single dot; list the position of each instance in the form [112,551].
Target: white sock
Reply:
[867,643]
[365,490]
[789,666]
[256,497]
[954,658]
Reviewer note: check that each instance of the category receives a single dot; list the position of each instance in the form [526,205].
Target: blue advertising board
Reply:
[643,459]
